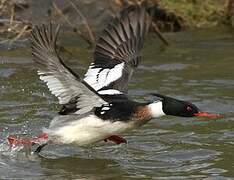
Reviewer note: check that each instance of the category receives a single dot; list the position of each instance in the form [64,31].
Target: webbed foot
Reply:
[116,139]
[40,140]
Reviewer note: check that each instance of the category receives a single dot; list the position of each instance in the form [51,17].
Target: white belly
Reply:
[87,130]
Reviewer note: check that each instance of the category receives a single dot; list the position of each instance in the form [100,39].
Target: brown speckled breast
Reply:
[142,115]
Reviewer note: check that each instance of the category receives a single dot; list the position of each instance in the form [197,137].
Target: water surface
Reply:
[198,66]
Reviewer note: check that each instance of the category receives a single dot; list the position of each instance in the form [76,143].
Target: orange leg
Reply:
[117,139]
[17,140]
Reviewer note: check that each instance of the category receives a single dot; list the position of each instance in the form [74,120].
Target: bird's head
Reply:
[175,107]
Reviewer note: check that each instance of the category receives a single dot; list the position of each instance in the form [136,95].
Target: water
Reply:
[198,66]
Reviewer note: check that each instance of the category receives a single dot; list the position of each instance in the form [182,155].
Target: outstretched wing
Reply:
[61,81]
[117,52]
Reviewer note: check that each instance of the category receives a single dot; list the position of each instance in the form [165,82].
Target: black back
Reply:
[117,110]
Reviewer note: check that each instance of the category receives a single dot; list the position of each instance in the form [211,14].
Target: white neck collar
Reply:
[156,109]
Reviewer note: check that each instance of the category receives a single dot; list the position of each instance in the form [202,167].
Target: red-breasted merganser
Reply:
[97,108]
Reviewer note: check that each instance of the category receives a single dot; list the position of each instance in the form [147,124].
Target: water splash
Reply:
[11,151]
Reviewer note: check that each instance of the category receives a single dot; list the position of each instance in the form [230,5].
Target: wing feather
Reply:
[117,52]
[66,85]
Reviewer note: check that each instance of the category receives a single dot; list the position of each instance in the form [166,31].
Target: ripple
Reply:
[165,67]
[178,156]
[165,148]
[6,72]
[214,171]
[190,167]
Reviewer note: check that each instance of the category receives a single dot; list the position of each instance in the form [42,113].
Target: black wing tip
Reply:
[134,8]
[136,12]
[43,41]
[44,36]
[130,13]
[123,38]
[41,27]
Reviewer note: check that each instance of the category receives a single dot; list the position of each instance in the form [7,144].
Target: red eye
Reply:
[189,108]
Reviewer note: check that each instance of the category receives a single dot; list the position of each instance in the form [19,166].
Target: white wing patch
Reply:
[61,81]
[98,78]
[58,88]
[105,108]
[65,87]
[110,92]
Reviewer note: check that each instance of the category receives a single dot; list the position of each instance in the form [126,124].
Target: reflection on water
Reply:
[198,66]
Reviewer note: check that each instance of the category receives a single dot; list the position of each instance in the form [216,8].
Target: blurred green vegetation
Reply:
[197,13]
[17,19]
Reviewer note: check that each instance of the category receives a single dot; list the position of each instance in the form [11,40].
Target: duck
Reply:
[97,107]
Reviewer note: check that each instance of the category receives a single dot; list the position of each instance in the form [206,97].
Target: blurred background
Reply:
[88,17]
